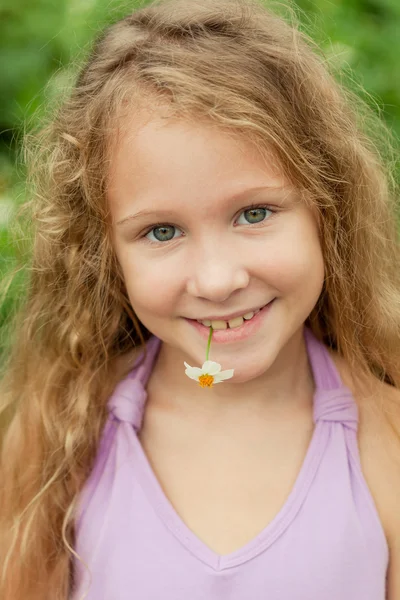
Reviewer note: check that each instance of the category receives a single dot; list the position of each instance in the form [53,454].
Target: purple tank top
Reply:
[326,542]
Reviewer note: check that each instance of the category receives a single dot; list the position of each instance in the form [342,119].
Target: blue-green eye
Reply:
[256,214]
[162,233]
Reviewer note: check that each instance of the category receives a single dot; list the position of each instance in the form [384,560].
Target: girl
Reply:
[206,176]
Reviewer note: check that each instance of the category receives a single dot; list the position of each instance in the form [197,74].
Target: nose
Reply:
[216,272]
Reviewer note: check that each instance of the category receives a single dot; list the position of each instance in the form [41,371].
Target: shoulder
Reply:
[379,446]
[379,442]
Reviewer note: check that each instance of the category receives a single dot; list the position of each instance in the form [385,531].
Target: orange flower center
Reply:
[206,381]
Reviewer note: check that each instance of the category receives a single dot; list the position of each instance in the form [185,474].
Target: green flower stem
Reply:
[209,343]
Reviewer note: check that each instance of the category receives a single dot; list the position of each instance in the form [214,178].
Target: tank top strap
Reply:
[128,399]
[333,401]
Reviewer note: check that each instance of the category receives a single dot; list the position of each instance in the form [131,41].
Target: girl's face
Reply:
[191,246]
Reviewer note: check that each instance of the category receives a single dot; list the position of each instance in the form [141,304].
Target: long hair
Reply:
[239,66]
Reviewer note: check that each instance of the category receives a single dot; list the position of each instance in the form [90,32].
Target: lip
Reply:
[224,336]
[232,315]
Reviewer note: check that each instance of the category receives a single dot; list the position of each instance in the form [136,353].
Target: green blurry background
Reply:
[41,42]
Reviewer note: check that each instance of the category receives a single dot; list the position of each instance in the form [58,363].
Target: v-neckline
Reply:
[325,382]
[167,513]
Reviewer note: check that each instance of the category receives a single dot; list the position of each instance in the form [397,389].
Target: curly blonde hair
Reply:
[250,72]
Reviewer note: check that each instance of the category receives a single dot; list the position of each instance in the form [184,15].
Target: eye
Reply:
[162,233]
[255,214]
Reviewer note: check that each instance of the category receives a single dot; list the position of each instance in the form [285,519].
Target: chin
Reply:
[243,375]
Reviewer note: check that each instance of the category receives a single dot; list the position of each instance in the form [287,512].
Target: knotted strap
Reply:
[127,402]
[129,397]
[333,401]
[336,406]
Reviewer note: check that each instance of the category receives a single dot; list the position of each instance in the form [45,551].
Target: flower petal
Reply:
[223,375]
[193,372]
[211,367]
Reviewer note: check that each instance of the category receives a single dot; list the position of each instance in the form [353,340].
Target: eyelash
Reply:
[156,225]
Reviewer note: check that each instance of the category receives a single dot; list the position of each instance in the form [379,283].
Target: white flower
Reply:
[209,373]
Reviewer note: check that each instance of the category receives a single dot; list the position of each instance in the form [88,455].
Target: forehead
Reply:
[156,154]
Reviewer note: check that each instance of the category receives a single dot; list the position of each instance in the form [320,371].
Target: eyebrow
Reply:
[162,214]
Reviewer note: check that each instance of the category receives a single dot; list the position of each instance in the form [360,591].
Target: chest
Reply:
[226,480]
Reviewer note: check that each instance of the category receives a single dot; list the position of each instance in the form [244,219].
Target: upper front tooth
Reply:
[207,323]
[248,316]
[219,324]
[236,322]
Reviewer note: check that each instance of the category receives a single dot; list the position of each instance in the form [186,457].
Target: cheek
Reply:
[296,264]
[151,287]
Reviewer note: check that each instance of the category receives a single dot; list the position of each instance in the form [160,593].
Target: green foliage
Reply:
[31,48]
[362,36]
